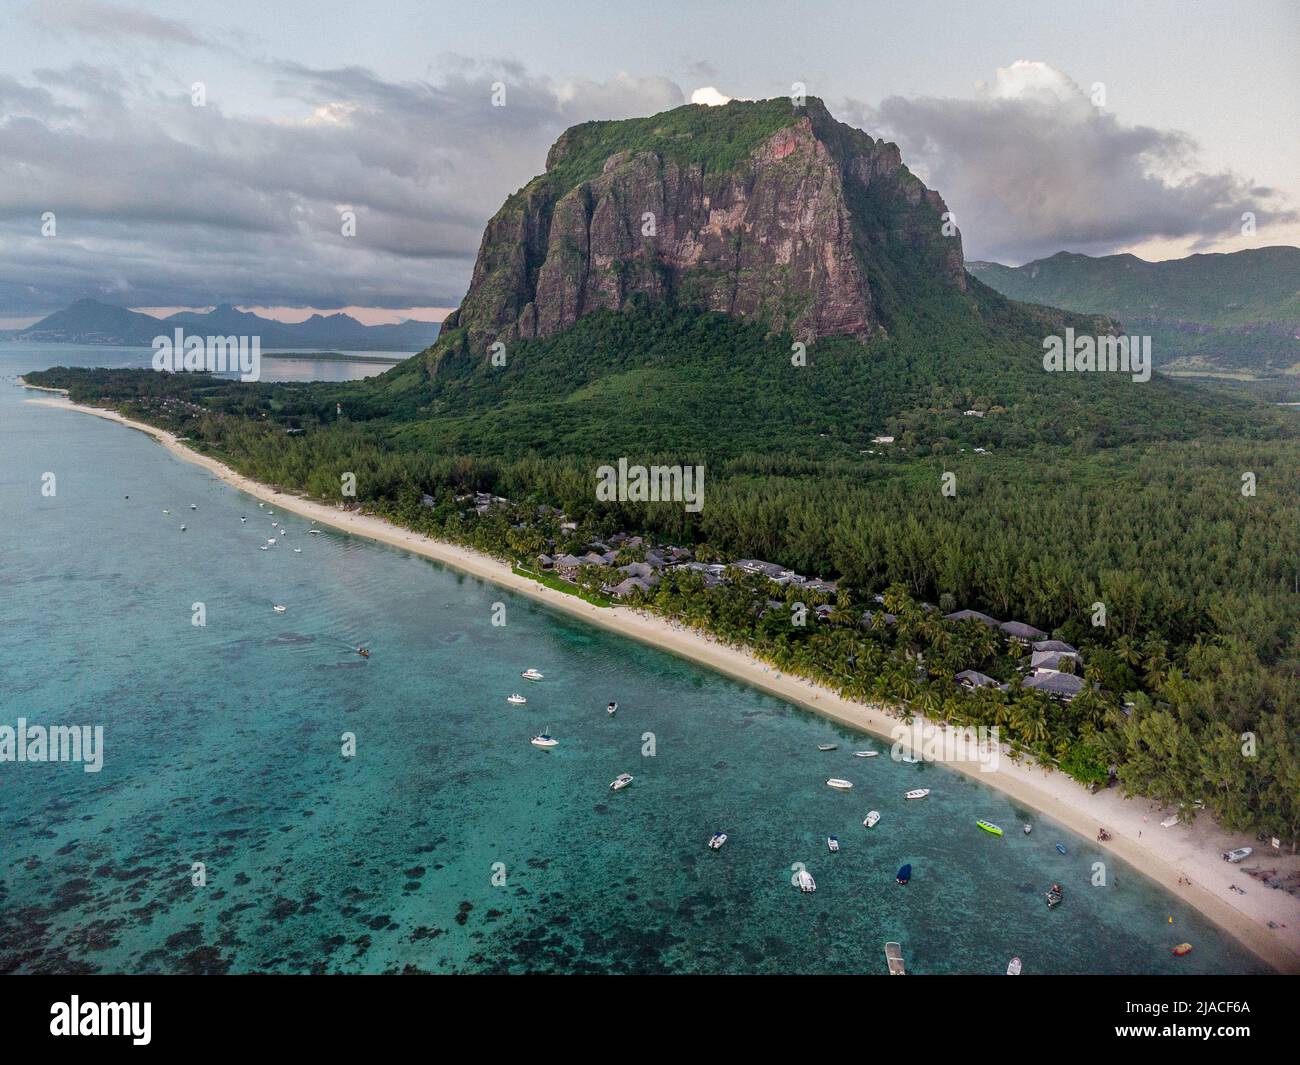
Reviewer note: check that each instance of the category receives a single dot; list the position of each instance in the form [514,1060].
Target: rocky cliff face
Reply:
[759,210]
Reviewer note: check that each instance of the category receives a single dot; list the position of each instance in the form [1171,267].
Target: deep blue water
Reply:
[222,746]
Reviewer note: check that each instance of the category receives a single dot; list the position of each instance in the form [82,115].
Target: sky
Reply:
[171,154]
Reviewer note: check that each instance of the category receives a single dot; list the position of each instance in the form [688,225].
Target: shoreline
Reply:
[1168,856]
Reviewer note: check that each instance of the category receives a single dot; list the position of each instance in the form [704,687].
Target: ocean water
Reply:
[448,843]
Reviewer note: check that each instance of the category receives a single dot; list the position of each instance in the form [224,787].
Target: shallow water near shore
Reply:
[448,843]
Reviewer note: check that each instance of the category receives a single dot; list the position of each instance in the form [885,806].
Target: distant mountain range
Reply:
[1226,314]
[90,322]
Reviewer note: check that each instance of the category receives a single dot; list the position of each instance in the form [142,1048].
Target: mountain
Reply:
[90,322]
[652,287]
[1213,313]
[756,210]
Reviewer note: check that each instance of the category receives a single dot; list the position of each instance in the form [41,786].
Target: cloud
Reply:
[109,22]
[709,96]
[161,203]
[1030,166]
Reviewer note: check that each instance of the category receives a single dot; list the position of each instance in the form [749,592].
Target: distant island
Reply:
[334,356]
[89,321]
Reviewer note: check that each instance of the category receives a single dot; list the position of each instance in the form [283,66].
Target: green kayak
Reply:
[988,826]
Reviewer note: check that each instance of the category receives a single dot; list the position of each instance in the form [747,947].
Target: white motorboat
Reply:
[1028,829]
[916,793]
[1238,855]
[544,740]
[827,746]
[833,843]
[531,674]
[182,527]
[611,708]
[166,511]
[264,547]
[279,609]
[297,550]
[908,759]
[243,519]
[314,532]
[516,698]
[1013,967]
[717,840]
[872,819]
[866,754]
[839,784]
[194,506]
[620,782]
[805,882]
[270,541]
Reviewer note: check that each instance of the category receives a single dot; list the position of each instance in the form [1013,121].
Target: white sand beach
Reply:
[1185,859]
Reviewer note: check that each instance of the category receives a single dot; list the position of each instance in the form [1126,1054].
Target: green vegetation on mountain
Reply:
[1205,313]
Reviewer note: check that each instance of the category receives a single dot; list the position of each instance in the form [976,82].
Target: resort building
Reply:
[973,615]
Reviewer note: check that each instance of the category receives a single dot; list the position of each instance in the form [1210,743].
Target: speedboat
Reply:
[620,782]
[1239,855]
[264,547]
[243,519]
[1028,829]
[531,674]
[611,708]
[182,527]
[544,740]
[1013,967]
[904,874]
[297,550]
[517,699]
[270,541]
[194,506]
[833,843]
[838,784]
[990,827]
[805,882]
[279,609]
[717,840]
[166,511]
[872,818]
[827,746]
[865,754]
[364,652]
[916,793]
[314,532]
